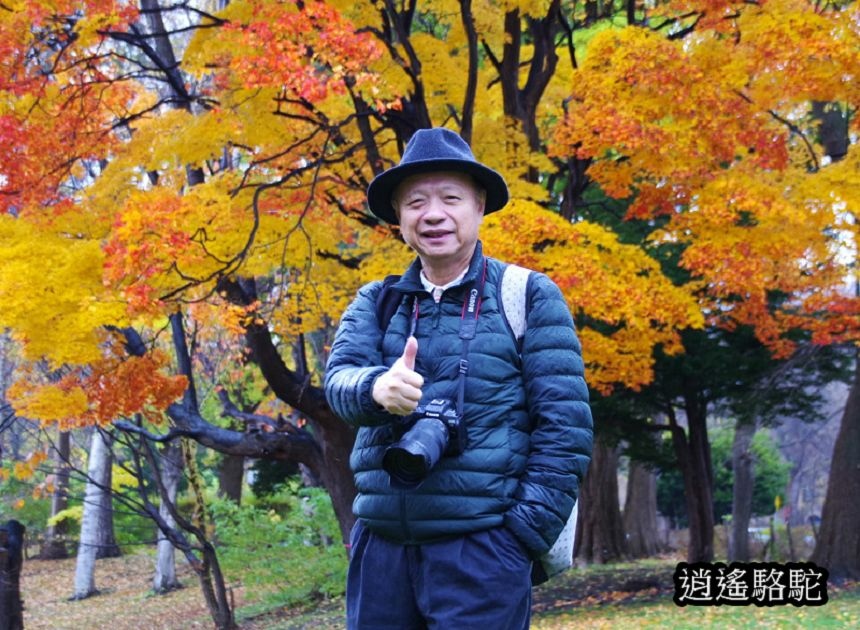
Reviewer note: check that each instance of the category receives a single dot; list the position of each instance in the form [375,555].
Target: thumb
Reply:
[409,353]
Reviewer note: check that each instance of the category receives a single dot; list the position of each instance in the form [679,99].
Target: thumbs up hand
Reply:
[399,389]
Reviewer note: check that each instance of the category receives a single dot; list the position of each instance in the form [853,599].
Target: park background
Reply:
[182,222]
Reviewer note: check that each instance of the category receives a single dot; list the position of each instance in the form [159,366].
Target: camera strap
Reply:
[468,328]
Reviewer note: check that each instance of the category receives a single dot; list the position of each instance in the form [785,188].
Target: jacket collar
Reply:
[410,281]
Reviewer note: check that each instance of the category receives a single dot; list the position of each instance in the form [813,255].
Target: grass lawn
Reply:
[842,611]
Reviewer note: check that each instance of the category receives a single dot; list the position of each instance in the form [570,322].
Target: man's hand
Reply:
[399,389]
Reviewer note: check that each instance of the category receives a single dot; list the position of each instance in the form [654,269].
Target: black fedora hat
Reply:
[431,150]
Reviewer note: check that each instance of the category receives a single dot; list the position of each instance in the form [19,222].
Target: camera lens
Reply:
[404,467]
[409,460]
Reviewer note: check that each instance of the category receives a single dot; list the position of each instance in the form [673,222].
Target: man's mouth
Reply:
[433,234]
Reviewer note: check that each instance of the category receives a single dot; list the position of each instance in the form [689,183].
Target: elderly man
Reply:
[471,443]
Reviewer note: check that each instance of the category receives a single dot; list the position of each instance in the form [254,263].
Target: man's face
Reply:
[440,214]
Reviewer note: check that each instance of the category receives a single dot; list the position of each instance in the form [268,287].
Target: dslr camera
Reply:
[432,430]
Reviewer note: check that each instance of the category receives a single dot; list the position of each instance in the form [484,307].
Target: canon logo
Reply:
[473,296]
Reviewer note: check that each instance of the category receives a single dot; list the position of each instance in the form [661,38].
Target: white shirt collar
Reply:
[437,290]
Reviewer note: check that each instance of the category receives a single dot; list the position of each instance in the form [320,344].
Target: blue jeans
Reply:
[480,581]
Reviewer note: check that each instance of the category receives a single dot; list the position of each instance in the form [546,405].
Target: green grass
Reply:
[842,611]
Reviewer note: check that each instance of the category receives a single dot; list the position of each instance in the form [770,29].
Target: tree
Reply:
[728,373]
[142,490]
[770,471]
[640,511]
[742,491]
[596,543]
[55,543]
[165,566]
[96,499]
[837,545]
[711,135]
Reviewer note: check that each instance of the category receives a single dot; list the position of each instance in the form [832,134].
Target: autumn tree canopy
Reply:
[103,221]
[711,125]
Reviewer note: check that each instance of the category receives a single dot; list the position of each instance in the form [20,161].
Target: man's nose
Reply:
[434,211]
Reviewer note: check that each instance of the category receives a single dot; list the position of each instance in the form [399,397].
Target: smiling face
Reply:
[440,214]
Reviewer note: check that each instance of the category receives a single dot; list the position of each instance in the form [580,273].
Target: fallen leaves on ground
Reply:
[616,586]
[125,600]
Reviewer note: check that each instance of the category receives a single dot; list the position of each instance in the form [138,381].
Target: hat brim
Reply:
[382,188]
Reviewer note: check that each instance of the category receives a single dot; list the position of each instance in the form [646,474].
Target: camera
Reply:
[434,429]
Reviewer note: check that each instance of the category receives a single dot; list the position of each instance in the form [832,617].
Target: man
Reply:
[446,538]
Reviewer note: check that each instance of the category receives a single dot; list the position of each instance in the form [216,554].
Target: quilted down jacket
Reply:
[526,412]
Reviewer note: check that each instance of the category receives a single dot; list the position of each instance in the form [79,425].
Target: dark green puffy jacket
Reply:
[528,423]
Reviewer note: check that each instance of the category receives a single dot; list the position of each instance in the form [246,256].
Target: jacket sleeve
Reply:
[561,438]
[356,361]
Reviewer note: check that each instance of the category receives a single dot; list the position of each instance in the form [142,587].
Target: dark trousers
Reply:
[480,581]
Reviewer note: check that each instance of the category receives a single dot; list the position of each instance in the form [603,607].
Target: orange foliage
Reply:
[121,388]
[309,49]
[108,390]
[714,132]
[53,123]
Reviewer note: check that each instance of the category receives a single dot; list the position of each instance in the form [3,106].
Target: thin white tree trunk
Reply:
[98,469]
[107,546]
[165,564]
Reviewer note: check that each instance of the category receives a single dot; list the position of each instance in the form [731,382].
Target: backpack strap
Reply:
[513,287]
[387,301]
[514,297]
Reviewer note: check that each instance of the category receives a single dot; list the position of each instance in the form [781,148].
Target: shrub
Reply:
[284,555]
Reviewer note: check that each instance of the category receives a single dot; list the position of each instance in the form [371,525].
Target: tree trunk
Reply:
[833,128]
[640,512]
[11,558]
[215,590]
[328,460]
[165,579]
[98,467]
[106,546]
[231,473]
[837,546]
[742,492]
[600,536]
[694,461]
[54,547]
